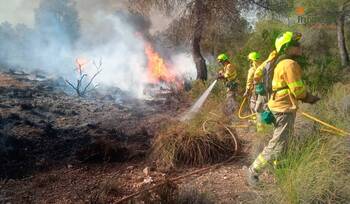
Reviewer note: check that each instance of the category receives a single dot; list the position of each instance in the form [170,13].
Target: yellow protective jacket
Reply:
[260,69]
[287,87]
[229,71]
[250,77]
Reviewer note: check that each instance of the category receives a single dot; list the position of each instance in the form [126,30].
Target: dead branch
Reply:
[98,67]
[79,89]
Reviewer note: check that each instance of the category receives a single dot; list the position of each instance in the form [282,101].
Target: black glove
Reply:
[220,76]
[310,99]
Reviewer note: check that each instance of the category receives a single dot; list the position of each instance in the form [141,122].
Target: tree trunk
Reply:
[343,51]
[199,12]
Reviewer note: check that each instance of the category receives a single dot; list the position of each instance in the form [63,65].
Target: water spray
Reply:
[198,104]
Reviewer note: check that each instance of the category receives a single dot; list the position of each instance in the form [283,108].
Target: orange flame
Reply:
[158,70]
[80,63]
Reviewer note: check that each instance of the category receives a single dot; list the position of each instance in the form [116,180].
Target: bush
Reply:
[207,138]
[189,144]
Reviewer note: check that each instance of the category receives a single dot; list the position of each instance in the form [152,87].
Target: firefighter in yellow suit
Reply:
[287,88]
[253,57]
[229,74]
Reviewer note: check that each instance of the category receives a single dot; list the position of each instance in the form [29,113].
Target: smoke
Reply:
[23,10]
[121,50]
[183,63]
[99,30]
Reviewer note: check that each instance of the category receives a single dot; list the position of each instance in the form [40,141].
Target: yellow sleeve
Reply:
[250,79]
[293,79]
[260,69]
[230,73]
[259,72]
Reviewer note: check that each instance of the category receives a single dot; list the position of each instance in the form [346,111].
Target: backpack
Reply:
[265,87]
[268,72]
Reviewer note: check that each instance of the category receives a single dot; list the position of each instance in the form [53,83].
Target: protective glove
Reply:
[310,98]
[220,76]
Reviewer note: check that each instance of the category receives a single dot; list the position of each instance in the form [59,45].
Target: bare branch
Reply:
[99,70]
[78,87]
[87,86]
[70,84]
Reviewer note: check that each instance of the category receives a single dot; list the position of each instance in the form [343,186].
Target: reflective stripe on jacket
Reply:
[287,86]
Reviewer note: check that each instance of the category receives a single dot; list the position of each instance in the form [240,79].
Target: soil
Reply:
[59,148]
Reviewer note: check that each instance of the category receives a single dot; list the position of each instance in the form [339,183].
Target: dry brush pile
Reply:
[207,138]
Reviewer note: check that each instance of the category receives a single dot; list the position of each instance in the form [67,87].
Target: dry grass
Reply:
[204,139]
[315,167]
[185,144]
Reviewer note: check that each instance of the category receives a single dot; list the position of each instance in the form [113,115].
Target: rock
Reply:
[146,171]
[148,180]
[130,168]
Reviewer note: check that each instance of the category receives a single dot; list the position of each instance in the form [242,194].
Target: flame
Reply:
[158,70]
[80,63]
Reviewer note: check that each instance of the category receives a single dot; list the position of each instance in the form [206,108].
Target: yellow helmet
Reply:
[286,40]
[254,56]
[222,57]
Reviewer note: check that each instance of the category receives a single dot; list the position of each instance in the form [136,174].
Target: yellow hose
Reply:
[343,132]
[240,110]
[332,129]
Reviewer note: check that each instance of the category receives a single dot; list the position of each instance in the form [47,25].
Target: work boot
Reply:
[251,177]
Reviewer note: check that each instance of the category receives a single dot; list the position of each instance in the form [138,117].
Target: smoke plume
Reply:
[89,29]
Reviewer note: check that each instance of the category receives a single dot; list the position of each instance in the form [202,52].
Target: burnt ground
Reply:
[58,148]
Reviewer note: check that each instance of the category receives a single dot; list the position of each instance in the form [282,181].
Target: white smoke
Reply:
[183,63]
[122,52]
[105,35]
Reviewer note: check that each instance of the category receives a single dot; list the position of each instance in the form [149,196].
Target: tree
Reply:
[197,18]
[335,11]
[58,20]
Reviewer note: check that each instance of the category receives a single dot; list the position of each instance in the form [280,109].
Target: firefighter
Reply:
[253,57]
[229,74]
[287,88]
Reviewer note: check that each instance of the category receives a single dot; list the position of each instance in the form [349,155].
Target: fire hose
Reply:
[332,129]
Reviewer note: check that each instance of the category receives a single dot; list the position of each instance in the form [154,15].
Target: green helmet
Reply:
[286,40]
[254,56]
[222,58]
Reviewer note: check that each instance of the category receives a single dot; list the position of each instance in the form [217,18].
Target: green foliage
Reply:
[322,74]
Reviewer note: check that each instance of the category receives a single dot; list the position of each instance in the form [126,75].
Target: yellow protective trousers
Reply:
[283,131]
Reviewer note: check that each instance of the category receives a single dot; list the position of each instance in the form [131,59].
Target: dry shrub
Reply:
[188,143]
[191,144]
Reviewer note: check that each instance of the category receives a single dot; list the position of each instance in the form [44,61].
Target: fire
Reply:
[157,69]
[80,63]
